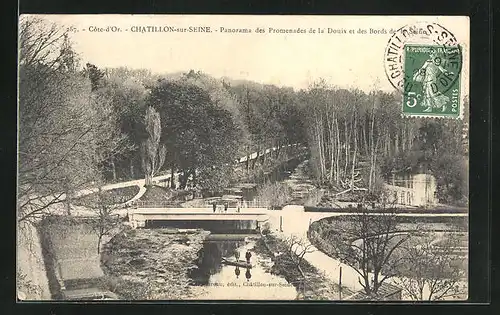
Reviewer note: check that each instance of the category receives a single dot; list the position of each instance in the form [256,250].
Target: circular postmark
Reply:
[424,61]
[423,52]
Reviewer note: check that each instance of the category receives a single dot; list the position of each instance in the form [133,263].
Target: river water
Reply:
[412,189]
[223,282]
[219,281]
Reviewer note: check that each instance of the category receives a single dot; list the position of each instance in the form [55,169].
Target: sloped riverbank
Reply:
[314,286]
[152,264]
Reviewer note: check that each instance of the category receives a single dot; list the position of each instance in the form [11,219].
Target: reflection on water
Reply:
[210,259]
[227,281]
[412,189]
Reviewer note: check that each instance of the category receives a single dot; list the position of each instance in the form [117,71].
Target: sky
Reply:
[295,60]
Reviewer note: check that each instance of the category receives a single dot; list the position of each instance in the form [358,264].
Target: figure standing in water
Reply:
[248,255]
[428,76]
[248,275]
[237,272]
[237,255]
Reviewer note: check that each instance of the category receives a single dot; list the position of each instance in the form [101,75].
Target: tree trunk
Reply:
[372,149]
[148,180]
[355,152]
[396,144]
[320,148]
[183,178]
[339,151]
[256,158]
[365,140]
[172,176]
[332,149]
[132,175]
[113,169]
[347,147]
[99,240]
[324,145]
[67,200]
[194,178]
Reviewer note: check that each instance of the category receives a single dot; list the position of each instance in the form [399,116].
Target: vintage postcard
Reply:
[205,157]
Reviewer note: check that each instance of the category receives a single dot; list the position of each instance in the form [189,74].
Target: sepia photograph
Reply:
[270,158]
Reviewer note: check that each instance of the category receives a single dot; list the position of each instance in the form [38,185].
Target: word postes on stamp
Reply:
[424,62]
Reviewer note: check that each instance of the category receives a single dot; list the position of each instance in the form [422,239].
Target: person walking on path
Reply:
[225,207]
[214,207]
[248,255]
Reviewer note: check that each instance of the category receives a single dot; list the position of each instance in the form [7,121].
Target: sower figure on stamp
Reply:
[428,75]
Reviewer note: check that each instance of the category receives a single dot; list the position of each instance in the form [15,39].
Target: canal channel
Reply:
[230,241]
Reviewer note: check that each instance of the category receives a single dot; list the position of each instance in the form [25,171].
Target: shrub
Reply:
[109,197]
[273,195]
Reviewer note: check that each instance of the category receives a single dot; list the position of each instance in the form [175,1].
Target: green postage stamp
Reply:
[432,80]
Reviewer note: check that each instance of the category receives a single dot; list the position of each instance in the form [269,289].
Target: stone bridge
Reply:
[138,217]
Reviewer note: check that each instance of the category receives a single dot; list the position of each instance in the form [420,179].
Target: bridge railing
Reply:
[145,204]
[208,205]
[241,204]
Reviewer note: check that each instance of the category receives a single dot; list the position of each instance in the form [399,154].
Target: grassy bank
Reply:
[109,197]
[152,264]
[315,286]
[434,227]
[158,195]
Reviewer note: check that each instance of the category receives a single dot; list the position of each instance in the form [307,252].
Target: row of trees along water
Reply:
[357,139]
[82,125]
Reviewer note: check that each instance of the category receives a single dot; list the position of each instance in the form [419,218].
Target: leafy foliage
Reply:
[367,243]
[273,195]
[153,153]
[200,136]
[67,132]
[435,271]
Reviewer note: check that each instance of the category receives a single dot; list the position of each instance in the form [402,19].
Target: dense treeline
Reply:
[66,130]
[81,125]
[358,139]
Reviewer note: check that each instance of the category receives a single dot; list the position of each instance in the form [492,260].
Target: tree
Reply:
[128,90]
[433,269]
[153,153]
[200,137]
[95,75]
[273,195]
[297,248]
[367,243]
[66,132]
[106,221]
